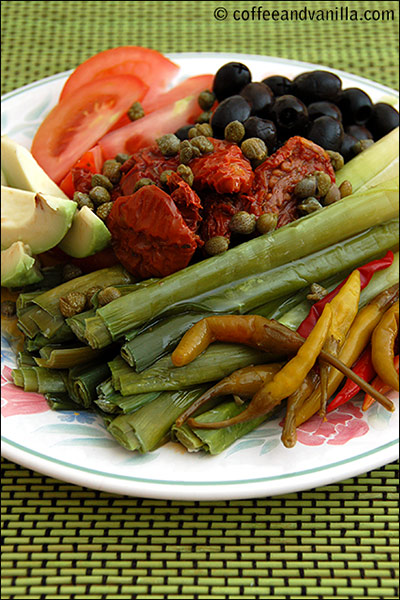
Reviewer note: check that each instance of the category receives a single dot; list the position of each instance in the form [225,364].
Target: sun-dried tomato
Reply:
[147,162]
[149,235]
[219,210]
[276,178]
[82,180]
[186,200]
[225,170]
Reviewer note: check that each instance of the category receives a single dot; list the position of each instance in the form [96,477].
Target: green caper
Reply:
[168,144]
[70,272]
[266,222]
[234,132]
[8,309]
[112,170]
[333,195]
[90,293]
[107,295]
[309,205]
[104,210]
[306,187]
[204,117]
[323,183]
[136,111]
[122,157]
[345,188]
[99,195]
[317,292]
[206,99]
[101,180]
[337,159]
[142,182]
[72,304]
[200,129]
[243,223]
[187,151]
[254,149]
[362,145]
[164,176]
[186,173]
[216,245]
[203,144]
[83,200]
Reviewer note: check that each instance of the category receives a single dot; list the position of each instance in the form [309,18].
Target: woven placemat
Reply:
[64,541]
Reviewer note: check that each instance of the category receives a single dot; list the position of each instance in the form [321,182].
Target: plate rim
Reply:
[195,490]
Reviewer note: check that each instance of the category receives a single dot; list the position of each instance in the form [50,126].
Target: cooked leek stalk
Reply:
[49,300]
[381,280]
[331,225]
[150,426]
[65,358]
[216,441]
[372,162]
[83,380]
[111,401]
[61,336]
[216,362]
[40,379]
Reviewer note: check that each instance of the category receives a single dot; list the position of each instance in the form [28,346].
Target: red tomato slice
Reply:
[148,65]
[77,123]
[153,101]
[146,130]
[91,161]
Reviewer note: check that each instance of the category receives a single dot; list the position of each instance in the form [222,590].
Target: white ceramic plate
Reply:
[75,447]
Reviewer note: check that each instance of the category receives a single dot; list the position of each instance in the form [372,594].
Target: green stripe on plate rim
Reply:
[200,483]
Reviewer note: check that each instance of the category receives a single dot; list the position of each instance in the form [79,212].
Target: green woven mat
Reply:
[64,541]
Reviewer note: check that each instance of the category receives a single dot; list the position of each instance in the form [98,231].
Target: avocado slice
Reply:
[88,234]
[41,221]
[22,171]
[18,266]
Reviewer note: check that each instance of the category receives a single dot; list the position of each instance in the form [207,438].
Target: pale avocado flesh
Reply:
[18,266]
[88,234]
[39,220]
[23,172]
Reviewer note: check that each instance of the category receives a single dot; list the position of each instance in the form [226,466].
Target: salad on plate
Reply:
[190,260]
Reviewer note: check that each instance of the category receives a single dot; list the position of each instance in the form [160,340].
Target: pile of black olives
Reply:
[313,105]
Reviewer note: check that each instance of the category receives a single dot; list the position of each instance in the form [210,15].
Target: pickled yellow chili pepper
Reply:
[286,381]
[356,341]
[383,347]
[344,310]
[243,383]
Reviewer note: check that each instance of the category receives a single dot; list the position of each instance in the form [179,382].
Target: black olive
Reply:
[259,96]
[313,86]
[324,109]
[183,132]
[279,85]
[235,108]
[356,106]
[230,79]
[359,131]
[347,147]
[327,133]
[289,114]
[384,119]
[263,129]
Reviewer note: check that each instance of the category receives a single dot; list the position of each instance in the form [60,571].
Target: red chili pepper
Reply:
[362,367]
[380,386]
[366,272]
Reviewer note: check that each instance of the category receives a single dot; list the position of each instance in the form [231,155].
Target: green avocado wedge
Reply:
[23,172]
[39,220]
[18,266]
[88,234]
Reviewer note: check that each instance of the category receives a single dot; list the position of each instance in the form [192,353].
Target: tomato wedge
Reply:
[146,130]
[153,101]
[76,123]
[148,65]
[91,161]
